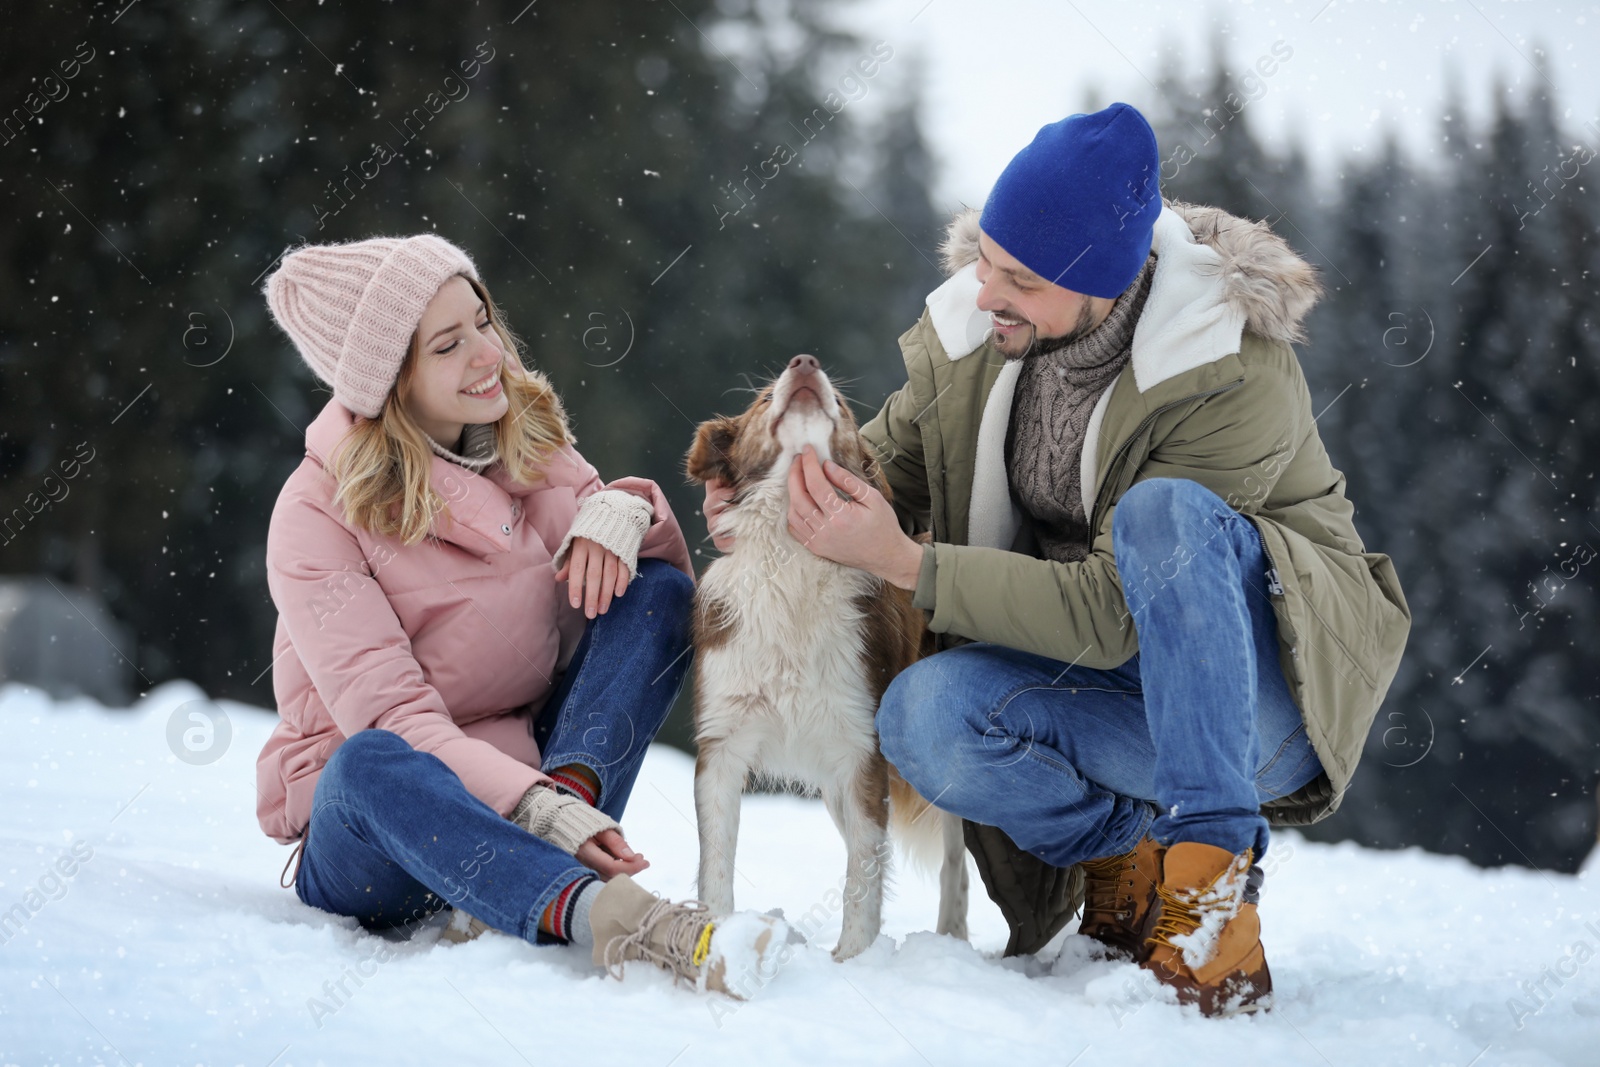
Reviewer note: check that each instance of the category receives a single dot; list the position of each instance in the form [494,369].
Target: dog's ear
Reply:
[711,454]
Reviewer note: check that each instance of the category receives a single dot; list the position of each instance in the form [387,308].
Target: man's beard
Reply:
[1043,346]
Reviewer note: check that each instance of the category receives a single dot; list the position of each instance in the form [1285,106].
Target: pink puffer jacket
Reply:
[443,642]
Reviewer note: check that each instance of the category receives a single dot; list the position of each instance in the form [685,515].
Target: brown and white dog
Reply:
[793,653]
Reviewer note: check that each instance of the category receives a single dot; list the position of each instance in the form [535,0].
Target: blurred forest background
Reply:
[588,167]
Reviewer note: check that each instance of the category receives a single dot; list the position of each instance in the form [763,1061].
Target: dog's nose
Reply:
[804,362]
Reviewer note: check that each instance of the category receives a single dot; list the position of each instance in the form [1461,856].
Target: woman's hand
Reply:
[608,855]
[594,574]
[717,496]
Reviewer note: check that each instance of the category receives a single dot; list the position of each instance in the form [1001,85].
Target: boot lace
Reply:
[1103,886]
[1179,916]
[686,939]
[1184,908]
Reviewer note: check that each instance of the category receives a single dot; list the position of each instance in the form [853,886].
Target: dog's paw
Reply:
[849,949]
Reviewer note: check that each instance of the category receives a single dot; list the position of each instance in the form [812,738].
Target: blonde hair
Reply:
[381,466]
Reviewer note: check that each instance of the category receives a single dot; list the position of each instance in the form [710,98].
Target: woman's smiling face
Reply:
[459,363]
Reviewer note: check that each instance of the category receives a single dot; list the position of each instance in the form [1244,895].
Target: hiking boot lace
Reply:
[1179,916]
[1184,908]
[687,938]
[1103,887]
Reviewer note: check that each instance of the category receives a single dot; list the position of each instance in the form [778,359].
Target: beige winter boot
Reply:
[463,928]
[1204,940]
[734,954]
[1118,893]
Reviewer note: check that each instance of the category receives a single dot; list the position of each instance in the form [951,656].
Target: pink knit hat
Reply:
[351,309]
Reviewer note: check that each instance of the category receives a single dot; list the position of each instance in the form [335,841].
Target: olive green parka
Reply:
[1212,392]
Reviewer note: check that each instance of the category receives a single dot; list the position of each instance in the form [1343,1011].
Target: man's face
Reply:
[1026,309]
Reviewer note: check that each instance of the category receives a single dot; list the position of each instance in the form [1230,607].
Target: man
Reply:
[1159,629]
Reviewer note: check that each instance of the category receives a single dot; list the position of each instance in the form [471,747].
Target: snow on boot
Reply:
[1205,940]
[732,954]
[462,928]
[1118,892]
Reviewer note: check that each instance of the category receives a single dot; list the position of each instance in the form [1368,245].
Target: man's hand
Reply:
[608,855]
[594,574]
[859,529]
[717,497]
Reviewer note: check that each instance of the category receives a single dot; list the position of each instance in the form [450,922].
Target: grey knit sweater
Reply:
[1056,393]
[477,446]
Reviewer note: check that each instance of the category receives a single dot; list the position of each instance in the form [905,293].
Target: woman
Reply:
[426,667]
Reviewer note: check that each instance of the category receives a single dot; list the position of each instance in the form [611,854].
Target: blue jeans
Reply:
[395,836]
[1184,741]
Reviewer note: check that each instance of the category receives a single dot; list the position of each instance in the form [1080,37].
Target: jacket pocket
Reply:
[1390,622]
[1329,597]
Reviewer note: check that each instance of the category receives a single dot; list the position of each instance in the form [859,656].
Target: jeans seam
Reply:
[1277,754]
[330,802]
[1035,687]
[1273,793]
[1030,751]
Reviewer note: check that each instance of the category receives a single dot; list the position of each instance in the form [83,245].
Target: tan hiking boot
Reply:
[733,954]
[1205,940]
[1118,893]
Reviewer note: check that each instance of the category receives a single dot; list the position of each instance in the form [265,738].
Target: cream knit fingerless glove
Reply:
[612,518]
[566,822]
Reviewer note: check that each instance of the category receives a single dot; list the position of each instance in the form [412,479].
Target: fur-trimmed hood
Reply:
[1272,287]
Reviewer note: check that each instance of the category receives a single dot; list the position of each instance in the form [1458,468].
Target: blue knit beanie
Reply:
[1078,205]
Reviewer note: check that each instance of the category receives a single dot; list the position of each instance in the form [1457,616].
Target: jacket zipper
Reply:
[1274,583]
[1274,586]
[1137,430]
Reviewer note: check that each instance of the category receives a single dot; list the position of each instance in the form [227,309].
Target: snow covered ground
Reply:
[152,930]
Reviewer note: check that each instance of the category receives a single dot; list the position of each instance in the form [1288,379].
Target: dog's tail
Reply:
[934,842]
[917,825]
[930,838]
